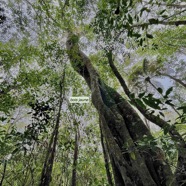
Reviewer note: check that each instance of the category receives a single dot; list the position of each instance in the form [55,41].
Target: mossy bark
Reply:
[122,128]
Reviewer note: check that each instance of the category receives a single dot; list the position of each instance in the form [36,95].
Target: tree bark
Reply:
[46,175]
[4,172]
[122,128]
[106,158]
[74,166]
[181,147]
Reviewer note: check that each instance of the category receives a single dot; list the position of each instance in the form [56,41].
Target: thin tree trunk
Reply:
[122,128]
[74,166]
[49,160]
[4,172]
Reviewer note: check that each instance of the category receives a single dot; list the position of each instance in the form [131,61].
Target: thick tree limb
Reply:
[156,120]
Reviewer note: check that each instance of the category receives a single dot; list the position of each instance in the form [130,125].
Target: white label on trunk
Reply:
[79,99]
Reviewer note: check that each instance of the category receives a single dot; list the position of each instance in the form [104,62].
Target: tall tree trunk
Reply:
[74,166]
[4,172]
[46,175]
[122,128]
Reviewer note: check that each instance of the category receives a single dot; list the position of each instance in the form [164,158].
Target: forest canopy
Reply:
[125,63]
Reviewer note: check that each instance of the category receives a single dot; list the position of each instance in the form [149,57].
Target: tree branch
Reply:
[173,78]
[154,119]
[174,5]
[175,23]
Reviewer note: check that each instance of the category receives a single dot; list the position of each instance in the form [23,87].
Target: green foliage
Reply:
[136,71]
[167,41]
[29,88]
[182,118]
[164,142]
[152,104]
